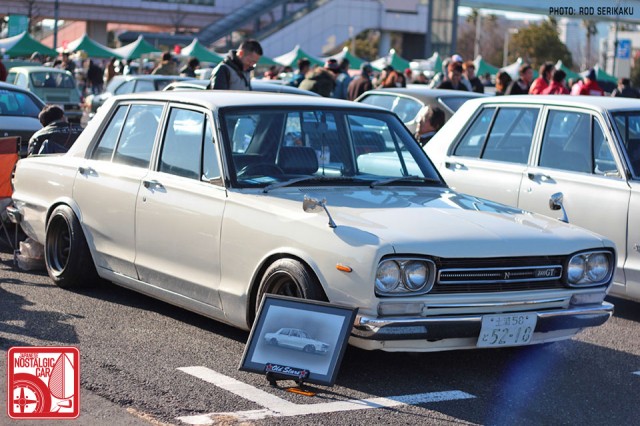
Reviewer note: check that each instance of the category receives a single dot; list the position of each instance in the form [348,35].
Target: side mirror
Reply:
[314,205]
[556,203]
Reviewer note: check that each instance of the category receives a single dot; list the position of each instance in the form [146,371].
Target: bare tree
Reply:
[33,14]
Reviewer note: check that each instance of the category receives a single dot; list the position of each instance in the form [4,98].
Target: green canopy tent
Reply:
[483,67]
[136,49]
[436,60]
[354,61]
[396,61]
[93,49]
[266,61]
[291,58]
[196,49]
[570,74]
[24,45]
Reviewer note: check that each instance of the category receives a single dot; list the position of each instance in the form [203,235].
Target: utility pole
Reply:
[55,24]
[476,44]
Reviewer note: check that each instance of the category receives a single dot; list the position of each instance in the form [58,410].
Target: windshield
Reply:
[275,148]
[628,125]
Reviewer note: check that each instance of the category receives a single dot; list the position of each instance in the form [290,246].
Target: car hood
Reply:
[434,221]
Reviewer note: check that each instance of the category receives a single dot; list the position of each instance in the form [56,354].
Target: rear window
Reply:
[52,80]
[13,103]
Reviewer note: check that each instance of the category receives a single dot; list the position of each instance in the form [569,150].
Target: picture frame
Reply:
[302,336]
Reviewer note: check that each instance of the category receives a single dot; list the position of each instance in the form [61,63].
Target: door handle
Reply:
[454,165]
[86,171]
[539,176]
[151,184]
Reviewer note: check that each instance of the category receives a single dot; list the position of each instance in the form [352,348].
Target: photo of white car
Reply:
[296,338]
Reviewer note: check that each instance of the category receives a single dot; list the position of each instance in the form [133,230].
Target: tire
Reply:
[66,252]
[32,387]
[289,277]
[274,342]
[309,349]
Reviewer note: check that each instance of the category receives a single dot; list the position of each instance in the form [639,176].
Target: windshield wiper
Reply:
[308,178]
[414,178]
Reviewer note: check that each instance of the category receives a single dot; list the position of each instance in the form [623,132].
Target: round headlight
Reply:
[597,267]
[576,269]
[415,275]
[388,276]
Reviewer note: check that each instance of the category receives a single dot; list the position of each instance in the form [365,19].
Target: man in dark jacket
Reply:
[233,73]
[189,70]
[521,85]
[58,134]
[321,80]
[361,84]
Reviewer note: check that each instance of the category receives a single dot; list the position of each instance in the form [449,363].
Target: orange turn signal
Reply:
[343,268]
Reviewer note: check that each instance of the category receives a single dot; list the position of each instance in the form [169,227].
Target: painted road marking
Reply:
[637,373]
[275,406]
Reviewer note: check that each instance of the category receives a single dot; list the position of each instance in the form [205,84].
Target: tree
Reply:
[491,38]
[538,43]
[635,72]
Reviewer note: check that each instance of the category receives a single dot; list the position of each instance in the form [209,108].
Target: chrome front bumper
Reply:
[449,327]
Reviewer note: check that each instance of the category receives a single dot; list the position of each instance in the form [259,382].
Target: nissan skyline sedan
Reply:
[209,200]
[579,153]
[295,338]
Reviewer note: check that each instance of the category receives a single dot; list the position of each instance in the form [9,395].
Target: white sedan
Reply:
[296,338]
[579,153]
[209,200]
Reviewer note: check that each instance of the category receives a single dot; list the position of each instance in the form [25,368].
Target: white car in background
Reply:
[295,338]
[580,154]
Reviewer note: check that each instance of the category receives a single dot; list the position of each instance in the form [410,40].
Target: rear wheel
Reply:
[289,277]
[309,349]
[66,252]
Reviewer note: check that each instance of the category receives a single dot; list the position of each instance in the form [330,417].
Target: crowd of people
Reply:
[333,79]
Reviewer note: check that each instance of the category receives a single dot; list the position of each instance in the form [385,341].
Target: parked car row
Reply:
[216,199]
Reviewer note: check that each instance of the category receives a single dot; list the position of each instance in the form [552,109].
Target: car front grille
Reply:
[496,275]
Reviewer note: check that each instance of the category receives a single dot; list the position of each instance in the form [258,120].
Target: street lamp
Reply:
[505,52]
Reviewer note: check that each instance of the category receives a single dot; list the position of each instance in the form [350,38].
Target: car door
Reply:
[576,157]
[491,157]
[108,182]
[179,211]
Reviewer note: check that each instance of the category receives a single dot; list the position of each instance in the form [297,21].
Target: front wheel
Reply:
[289,277]
[66,252]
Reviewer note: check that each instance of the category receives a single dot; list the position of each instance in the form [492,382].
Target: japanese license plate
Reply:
[506,330]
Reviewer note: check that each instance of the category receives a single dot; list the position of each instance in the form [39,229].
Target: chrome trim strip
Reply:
[559,300]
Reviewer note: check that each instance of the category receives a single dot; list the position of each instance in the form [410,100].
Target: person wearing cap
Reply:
[588,85]
[521,85]
[454,82]
[322,80]
[362,83]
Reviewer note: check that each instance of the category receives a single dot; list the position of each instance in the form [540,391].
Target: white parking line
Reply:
[277,407]
[637,373]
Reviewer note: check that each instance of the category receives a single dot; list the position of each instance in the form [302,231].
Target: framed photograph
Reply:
[299,335]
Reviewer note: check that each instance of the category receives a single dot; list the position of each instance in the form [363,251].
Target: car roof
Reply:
[39,68]
[214,99]
[600,103]
[152,77]
[423,92]
[257,85]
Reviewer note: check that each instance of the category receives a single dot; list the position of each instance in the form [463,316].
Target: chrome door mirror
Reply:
[314,205]
[556,203]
